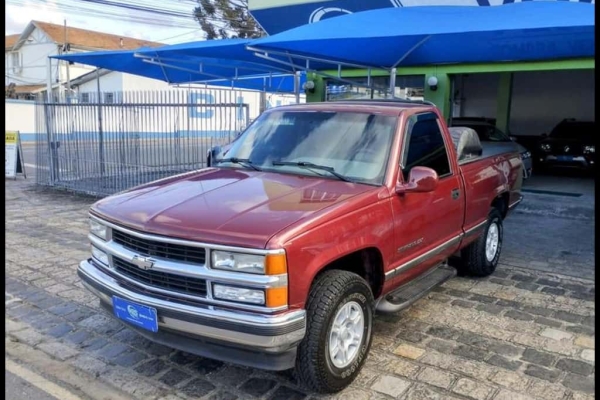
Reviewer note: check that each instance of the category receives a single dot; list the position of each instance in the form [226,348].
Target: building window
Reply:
[85,98]
[15,62]
[109,98]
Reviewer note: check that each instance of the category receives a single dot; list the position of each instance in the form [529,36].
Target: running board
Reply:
[412,291]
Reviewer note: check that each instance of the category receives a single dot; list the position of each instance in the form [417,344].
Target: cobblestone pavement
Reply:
[520,334]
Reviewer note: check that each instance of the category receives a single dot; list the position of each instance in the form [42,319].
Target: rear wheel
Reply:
[339,331]
[481,257]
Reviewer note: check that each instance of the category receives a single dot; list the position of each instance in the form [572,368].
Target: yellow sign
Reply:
[10,137]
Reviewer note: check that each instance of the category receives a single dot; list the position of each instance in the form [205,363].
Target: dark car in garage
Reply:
[570,144]
[487,132]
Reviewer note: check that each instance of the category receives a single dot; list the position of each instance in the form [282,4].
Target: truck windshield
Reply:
[355,146]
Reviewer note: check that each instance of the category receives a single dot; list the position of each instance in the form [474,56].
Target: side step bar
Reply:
[412,291]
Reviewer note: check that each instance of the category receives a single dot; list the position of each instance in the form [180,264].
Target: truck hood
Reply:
[224,206]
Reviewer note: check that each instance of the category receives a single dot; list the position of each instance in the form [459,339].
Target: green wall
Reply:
[442,96]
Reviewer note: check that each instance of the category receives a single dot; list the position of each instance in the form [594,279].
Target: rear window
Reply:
[574,130]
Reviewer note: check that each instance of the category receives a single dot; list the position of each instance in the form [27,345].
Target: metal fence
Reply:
[103,143]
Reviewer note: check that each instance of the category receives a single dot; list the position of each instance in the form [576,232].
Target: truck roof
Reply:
[384,106]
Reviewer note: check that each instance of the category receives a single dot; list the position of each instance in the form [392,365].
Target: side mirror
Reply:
[420,180]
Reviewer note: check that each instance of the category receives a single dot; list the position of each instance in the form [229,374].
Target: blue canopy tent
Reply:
[185,69]
[390,38]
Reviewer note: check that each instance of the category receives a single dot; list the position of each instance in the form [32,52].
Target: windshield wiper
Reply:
[309,165]
[242,161]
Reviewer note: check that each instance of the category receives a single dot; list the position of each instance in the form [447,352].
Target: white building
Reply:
[26,55]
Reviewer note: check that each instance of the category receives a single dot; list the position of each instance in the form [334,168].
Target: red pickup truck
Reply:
[318,216]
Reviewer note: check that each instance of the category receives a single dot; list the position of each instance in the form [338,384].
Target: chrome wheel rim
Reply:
[346,334]
[492,242]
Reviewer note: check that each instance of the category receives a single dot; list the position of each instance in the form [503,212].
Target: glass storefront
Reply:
[409,86]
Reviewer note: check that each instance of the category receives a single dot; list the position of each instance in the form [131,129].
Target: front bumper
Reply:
[581,161]
[250,339]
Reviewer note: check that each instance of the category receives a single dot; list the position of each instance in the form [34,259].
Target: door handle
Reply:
[455,194]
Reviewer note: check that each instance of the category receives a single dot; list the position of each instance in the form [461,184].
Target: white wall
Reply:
[540,99]
[20,116]
[34,53]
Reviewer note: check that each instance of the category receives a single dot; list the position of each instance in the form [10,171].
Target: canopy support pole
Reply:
[297,86]
[393,82]
[408,53]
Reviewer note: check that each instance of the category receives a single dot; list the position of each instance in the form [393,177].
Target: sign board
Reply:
[13,155]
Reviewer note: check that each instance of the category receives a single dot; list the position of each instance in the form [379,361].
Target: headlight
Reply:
[99,255]
[98,229]
[526,154]
[545,147]
[589,149]
[271,264]
[243,295]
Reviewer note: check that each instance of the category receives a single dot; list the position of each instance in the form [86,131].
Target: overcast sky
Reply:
[20,13]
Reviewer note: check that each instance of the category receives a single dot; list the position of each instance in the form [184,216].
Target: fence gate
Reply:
[101,144]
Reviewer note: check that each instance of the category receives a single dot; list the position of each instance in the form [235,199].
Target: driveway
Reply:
[527,332]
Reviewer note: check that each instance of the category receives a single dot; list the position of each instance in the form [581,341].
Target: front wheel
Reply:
[339,331]
[480,258]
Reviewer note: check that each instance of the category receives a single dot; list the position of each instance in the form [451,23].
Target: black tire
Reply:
[329,293]
[474,260]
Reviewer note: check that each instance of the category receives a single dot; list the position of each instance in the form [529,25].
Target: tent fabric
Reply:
[425,35]
[183,70]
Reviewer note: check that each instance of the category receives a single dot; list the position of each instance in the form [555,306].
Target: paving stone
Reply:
[522,278]
[58,350]
[508,303]
[538,357]
[542,373]
[151,367]
[76,316]
[221,395]
[548,282]
[532,287]
[457,293]
[183,358]
[575,366]
[129,358]
[511,380]
[64,309]
[436,377]
[464,303]
[257,387]
[575,287]
[470,388]
[548,322]
[503,282]
[60,330]
[501,274]
[585,341]
[470,352]
[581,329]
[439,297]
[131,382]
[580,383]
[504,394]
[553,290]
[424,392]
[583,296]
[101,324]
[519,315]
[443,332]
[90,364]
[555,334]
[206,366]
[567,316]
[94,344]
[13,326]
[482,299]
[44,322]
[174,376]
[589,355]
[504,362]
[442,346]
[113,350]
[390,385]
[287,393]
[408,351]
[589,321]
[28,336]
[404,368]
[544,390]
[410,336]
[490,308]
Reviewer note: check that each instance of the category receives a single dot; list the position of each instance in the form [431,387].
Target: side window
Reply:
[425,146]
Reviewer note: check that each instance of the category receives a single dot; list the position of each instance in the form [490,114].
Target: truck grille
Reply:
[174,252]
[162,280]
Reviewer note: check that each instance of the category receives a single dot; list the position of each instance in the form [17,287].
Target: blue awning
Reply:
[425,35]
[183,69]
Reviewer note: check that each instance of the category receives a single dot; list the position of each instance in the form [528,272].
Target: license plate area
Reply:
[136,314]
[565,158]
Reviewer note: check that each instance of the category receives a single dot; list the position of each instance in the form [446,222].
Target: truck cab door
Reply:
[427,226]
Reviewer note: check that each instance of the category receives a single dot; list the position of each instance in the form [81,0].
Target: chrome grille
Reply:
[162,280]
[169,251]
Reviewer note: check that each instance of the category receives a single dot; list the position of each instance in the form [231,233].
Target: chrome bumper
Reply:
[207,330]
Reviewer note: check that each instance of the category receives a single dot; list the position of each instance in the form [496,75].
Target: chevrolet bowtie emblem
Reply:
[142,262]
[567,148]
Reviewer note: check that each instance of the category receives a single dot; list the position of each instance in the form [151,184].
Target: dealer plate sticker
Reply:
[136,314]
